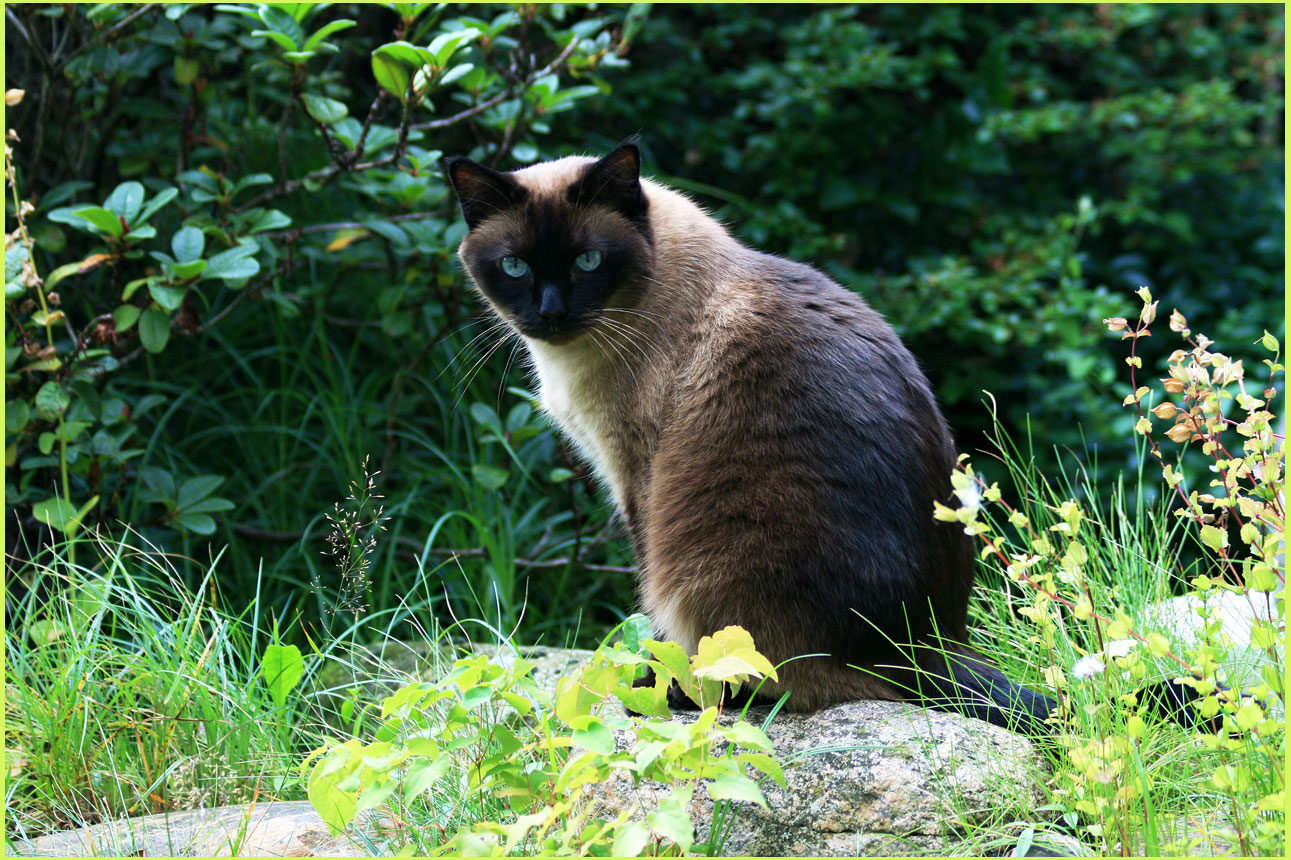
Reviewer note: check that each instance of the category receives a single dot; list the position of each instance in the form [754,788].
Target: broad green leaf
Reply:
[1214,537]
[161,198]
[595,737]
[489,477]
[195,489]
[55,277]
[187,244]
[191,269]
[201,524]
[132,287]
[282,22]
[736,786]
[89,396]
[235,263]
[375,795]
[126,200]
[186,70]
[154,330]
[326,30]
[158,480]
[335,806]
[455,73]
[282,669]
[125,316]
[323,109]
[391,75]
[424,772]
[58,513]
[445,45]
[104,220]
[630,839]
[170,298]
[671,820]
[282,39]
[16,415]
[209,505]
[273,219]
[51,400]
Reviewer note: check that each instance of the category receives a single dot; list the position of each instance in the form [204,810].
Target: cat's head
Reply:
[553,246]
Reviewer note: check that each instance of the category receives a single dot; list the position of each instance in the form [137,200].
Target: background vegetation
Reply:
[236,333]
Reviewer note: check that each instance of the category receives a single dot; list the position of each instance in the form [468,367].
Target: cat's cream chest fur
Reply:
[574,391]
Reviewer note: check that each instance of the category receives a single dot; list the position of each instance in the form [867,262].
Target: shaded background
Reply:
[994,179]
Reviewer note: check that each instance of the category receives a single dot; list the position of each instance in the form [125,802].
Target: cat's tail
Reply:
[961,680]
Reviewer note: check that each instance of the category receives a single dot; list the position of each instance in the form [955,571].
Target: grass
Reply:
[134,687]
[289,425]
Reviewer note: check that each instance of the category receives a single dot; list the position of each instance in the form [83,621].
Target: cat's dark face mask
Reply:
[553,260]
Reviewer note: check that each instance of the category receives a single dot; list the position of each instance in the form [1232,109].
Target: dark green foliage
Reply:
[250,295]
[995,180]
[250,283]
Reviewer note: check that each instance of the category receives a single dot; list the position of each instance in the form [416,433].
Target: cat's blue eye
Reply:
[588,260]
[514,267]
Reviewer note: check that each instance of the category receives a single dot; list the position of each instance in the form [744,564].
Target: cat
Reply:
[773,446]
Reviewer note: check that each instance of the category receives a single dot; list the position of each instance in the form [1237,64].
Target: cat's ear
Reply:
[615,181]
[481,191]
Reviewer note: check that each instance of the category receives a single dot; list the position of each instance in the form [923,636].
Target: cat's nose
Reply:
[552,307]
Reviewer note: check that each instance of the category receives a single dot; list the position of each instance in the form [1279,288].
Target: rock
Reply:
[273,829]
[866,778]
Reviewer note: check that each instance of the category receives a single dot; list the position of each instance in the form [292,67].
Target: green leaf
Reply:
[282,668]
[16,415]
[154,330]
[375,795]
[455,73]
[595,737]
[282,39]
[209,505]
[282,22]
[132,287]
[489,477]
[186,70]
[630,839]
[736,786]
[445,45]
[57,275]
[270,220]
[51,400]
[323,109]
[235,263]
[335,806]
[201,524]
[58,513]
[187,244]
[170,298]
[1214,537]
[195,489]
[103,220]
[89,396]
[191,269]
[327,30]
[422,773]
[390,74]
[126,200]
[54,512]
[158,480]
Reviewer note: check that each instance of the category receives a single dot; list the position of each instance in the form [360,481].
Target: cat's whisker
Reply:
[495,326]
[630,337]
[475,369]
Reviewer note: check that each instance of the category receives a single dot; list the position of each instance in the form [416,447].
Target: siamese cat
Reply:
[773,446]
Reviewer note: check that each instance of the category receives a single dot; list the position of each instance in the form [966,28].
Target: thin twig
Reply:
[111,31]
